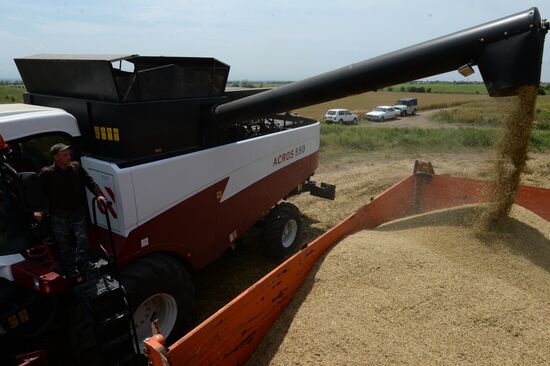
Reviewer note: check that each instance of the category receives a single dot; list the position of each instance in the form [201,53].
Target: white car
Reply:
[340,116]
[382,113]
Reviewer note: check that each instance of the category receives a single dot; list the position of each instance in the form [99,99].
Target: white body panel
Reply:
[109,175]
[22,120]
[145,191]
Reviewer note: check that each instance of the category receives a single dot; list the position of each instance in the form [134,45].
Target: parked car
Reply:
[340,116]
[407,106]
[382,113]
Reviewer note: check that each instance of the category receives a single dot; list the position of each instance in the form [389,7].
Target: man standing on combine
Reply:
[62,184]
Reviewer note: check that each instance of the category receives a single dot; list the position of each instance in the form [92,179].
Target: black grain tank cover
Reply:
[130,108]
[102,77]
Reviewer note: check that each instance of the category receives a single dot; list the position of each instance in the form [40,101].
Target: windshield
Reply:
[330,113]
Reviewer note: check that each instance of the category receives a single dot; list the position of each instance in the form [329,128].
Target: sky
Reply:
[261,40]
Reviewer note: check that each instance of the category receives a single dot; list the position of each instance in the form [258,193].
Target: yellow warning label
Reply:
[109,134]
[115,134]
[103,133]
[219,194]
[97,134]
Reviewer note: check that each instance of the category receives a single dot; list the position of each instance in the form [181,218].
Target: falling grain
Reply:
[511,157]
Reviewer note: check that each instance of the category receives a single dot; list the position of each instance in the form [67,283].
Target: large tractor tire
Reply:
[82,349]
[280,230]
[159,287]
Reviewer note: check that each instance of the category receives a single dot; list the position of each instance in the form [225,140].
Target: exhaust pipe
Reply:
[508,52]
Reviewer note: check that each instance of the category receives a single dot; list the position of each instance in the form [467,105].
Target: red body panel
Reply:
[49,282]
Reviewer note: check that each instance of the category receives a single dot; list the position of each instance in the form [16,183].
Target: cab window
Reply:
[31,154]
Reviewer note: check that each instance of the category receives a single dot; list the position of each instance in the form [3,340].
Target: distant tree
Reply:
[390,88]
[541,91]
[429,90]
[402,89]
[421,89]
[246,84]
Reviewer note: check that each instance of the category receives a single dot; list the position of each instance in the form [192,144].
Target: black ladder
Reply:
[106,308]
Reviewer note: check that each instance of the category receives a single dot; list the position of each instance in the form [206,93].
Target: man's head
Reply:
[61,155]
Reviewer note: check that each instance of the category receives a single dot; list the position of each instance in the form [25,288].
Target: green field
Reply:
[447,88]
[335,139]
[491,112]
[10,94]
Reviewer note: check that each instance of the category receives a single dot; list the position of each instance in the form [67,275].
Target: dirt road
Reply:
[422,119]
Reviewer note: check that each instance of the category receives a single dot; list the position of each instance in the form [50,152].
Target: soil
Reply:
[423,290]
[422,119]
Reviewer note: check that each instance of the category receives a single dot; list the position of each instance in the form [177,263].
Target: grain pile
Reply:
[511,157]
[423,290]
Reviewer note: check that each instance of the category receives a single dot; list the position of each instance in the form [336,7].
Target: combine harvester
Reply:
[508,52]
[190,168]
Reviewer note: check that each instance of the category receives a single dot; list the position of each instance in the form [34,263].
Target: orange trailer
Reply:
[231,335]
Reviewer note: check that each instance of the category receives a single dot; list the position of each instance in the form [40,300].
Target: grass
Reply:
[491,112]
[448,88]
[10,94]
[336,138]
